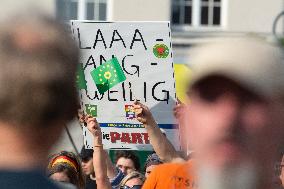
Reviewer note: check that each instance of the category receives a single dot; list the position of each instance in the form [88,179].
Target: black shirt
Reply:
[90,184]
[25,180]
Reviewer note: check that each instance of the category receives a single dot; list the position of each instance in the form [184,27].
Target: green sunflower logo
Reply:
[161,51]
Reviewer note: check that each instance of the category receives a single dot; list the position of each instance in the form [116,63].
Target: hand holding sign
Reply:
[178,110]
[94,127]
[143,113]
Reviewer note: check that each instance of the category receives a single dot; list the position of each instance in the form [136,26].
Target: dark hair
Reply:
[38,60]
[86,154]
[152,159]
[72,169]
[128,155]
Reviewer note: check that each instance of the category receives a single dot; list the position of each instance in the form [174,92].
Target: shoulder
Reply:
[166,170]
[166,166]
[25,180]
[169,169]
[171,175]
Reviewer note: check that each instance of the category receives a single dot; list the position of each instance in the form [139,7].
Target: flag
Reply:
[108,75]
[91,110]
[80,78]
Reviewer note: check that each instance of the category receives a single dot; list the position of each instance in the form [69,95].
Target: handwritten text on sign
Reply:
[144,52]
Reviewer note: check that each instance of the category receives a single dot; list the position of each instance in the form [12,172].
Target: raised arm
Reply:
[180,117]
[111,170]
[166,151]
[99,161]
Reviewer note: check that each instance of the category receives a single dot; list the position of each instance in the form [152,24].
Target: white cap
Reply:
[250,62]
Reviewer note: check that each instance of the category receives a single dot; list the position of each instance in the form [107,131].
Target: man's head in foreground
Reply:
[38,61]
[235,113]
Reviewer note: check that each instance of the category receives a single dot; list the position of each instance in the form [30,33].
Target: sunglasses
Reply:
[133,187]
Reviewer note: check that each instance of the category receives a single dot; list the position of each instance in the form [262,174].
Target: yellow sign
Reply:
[182,78]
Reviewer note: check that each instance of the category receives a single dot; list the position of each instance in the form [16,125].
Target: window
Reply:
[181,11]
[68,10]
[210,12]
[196,12]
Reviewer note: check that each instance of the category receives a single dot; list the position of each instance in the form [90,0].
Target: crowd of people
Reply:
[234,117]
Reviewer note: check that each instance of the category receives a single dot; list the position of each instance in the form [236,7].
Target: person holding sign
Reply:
[99,162]
[235,113]
[176,174]
[166,152]
[106,175]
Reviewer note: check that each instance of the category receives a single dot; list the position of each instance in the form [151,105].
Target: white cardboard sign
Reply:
[144,51]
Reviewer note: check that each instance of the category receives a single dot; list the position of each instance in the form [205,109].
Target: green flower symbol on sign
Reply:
[161,50]
[108,75]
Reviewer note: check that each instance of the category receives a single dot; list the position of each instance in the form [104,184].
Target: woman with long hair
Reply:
[66,167]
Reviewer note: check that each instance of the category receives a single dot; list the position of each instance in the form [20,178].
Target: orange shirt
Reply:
[172,176]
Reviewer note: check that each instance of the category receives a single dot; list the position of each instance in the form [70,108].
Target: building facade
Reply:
[195,21]
[192,21]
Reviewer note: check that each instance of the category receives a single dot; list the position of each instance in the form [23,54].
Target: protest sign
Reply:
[121,62]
